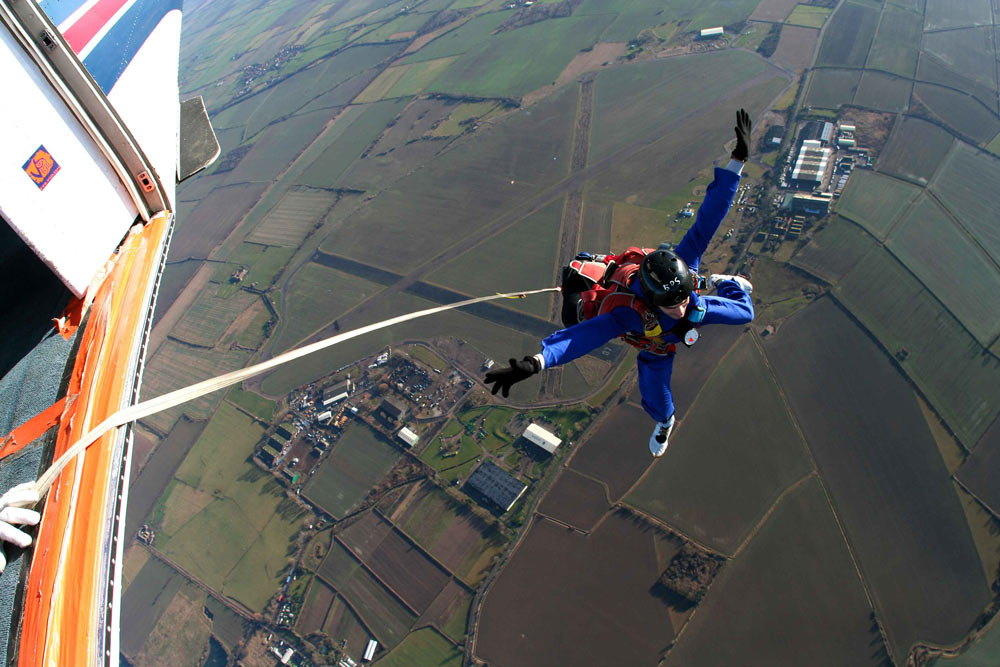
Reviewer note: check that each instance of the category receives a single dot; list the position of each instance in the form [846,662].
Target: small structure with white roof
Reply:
[537,435]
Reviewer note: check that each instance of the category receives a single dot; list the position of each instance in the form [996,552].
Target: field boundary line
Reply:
[368,568]
[680,422]
[770,510]
[604,485]
[361,619]
[426,553]
[883,631]
[663,525]
[230,603]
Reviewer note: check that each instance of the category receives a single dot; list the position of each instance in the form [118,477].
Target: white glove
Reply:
[13,511]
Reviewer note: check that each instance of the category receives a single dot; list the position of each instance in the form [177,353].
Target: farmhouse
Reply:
[491,485]
[408,437]
[538,436]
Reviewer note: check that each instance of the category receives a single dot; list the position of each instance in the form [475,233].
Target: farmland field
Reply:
[808,16]
[796,47]
[343,625]
[292,218]
[875,201]
[830,88]
[594,608]
[487,266]
[431,207]
[616,452]
[965,114]
[848,36]
[450,532]
[315,296]
[944,360]
[426,646]
[387,617]
[263,263]
[915,150]
[146,598]
[883,92]
[253,403]
[966,185]
[796,580]
[449,612]
[319,599]
[834,250]
[969,52]
[210,316]
[720,476]
[175,365]
[983,653]
[212,219]
[227,626]
[624,97]
[406,570]
[358,460]
[933,70]
[897,41]
[885,477]
[576,500]
[948,262]
[978,473]
[942,14]
[773,10]
[182,635]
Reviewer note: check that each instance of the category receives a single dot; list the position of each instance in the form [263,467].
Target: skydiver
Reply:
[649,298]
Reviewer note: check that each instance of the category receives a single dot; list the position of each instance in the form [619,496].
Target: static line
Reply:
[174,398]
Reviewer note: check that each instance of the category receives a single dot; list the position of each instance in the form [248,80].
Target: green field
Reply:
[949,264]
[316,296]
[253,403]
[963,113]
[426,646]
[433,207]
[943,14]
[720,476]
[387,617]
[146,598]
[944,360]
[218,491]
[464,112]
[362,125]
[983,653]
[403,23]
[883,92]
[358,460]
[897,41]
[915,150]
[292,218]
[848,36]
[278,145]
[631,103]
[467,37]
[830,88]
[834,250]
[874,450]
[406,80]
[966,184]
[175,365]
[969,52]
[210,316]
[227,626]
[796,580]
[875,201]
[994,146]
[808,16]
[263,262]
[486,267]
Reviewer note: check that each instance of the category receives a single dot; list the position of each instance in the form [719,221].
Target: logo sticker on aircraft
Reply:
[41,167]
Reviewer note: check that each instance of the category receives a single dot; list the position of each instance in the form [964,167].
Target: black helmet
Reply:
[665,277]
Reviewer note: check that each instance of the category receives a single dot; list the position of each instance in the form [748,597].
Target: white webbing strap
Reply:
[174,398]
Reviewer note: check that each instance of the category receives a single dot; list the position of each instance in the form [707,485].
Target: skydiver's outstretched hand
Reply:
[742,129]
[13,511]
[505,378]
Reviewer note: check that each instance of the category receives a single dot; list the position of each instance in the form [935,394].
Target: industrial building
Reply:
[408,437]
[337,392]
[815,130]
[711,33]
[772,140]
[811,164]
[370,650]
[391,411]
[811,204]
[538,436]
[491,485]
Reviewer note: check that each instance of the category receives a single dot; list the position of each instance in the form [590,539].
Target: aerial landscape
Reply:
[829,494]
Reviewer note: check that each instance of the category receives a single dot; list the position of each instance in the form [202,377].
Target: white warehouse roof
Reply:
[542,438]
[408,436]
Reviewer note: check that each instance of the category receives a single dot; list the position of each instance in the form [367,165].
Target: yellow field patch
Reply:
[633,225]
[181,635]
[382,84]
[135,557]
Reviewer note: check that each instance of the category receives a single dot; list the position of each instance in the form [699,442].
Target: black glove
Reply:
[742,150]
[505,378]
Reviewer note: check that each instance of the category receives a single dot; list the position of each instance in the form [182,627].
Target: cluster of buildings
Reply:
[498,490]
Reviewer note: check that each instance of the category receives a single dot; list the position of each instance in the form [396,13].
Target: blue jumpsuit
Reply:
[731,306]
